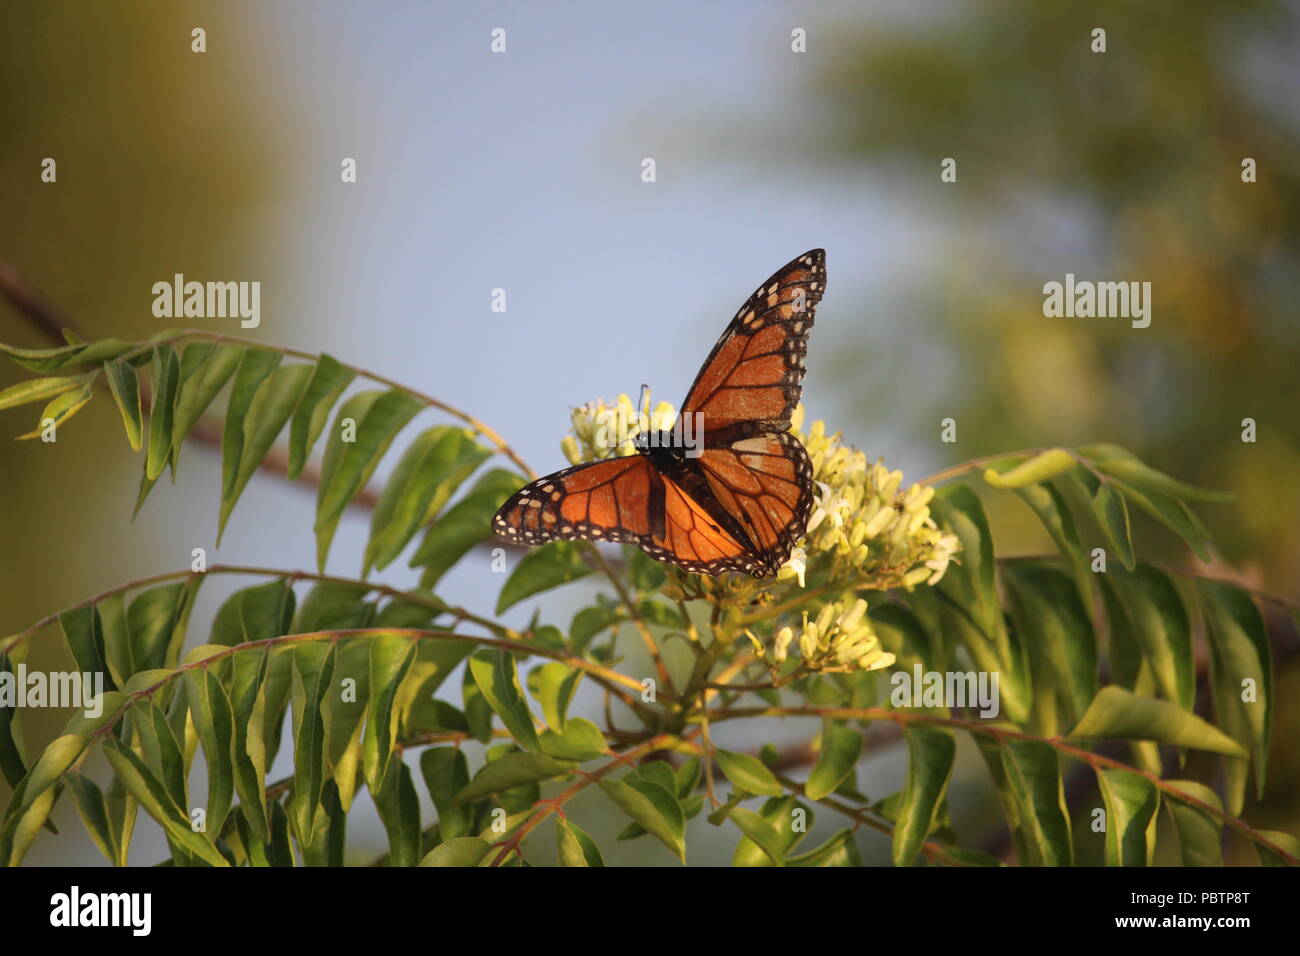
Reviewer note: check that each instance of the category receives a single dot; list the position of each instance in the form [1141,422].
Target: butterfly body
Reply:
[738,496]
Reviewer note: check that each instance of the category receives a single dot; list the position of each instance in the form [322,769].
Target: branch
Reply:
[932,850]
[544,808]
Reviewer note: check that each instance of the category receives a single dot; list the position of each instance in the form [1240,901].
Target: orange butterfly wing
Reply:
[765,483]
[755,371]
[621,499]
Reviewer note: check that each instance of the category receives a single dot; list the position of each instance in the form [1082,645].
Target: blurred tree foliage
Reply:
[1123,165]
[167,161]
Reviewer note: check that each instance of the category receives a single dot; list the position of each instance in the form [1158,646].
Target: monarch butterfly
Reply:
[743,499]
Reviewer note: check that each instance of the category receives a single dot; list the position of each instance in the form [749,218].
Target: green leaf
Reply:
[23,822]
[554,685]
[1112,517]
[12,764]
[1042,467]
[574,846]
[761,833]
[1135,473]
[1173,514]
[589,622]
[1239,653]
[931,752]
[278,690]
[1124,646]
[122,382]
[249,702]
[581,740]
[541,569]
[839,850]
[390,661]
[687,777]
[280,849]
[645,574]
[51,360]
[117,638]
[497,678]
[151,619]
[903,635]
[434,661]
[779,815]
[41,389]
[60,409]
[214,720]
[166,377]
[270,408]
[462,851]
[463,525]
[1132,802]
[749,774]
[145,787]
[161,751]
[1200,834]
[313,671]
[1050,505]
[509,771]
[1287,842]
[1118,714]
[652,807]
[205,368]
[427,474]
[122,812]
[657,771]
[254,613]
[328,380]
[974,585]
[335,606]
[841,747]
[329,830]
[255,367]
[399,809]
[446,774]
[1158,618]
[93,811]
[478,712]
[376,417]
[1033,775]
[84,635]
[58,757]
[1050,613]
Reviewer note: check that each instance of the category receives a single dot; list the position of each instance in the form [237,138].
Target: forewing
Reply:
[755,371]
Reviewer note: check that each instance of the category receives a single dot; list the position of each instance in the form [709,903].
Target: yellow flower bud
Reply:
[850,618]
[569,445]
[781,648]
[914,577]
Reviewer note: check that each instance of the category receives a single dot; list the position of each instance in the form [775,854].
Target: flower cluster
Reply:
[839,639]
[864,528]
[869,529]
[601,430]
